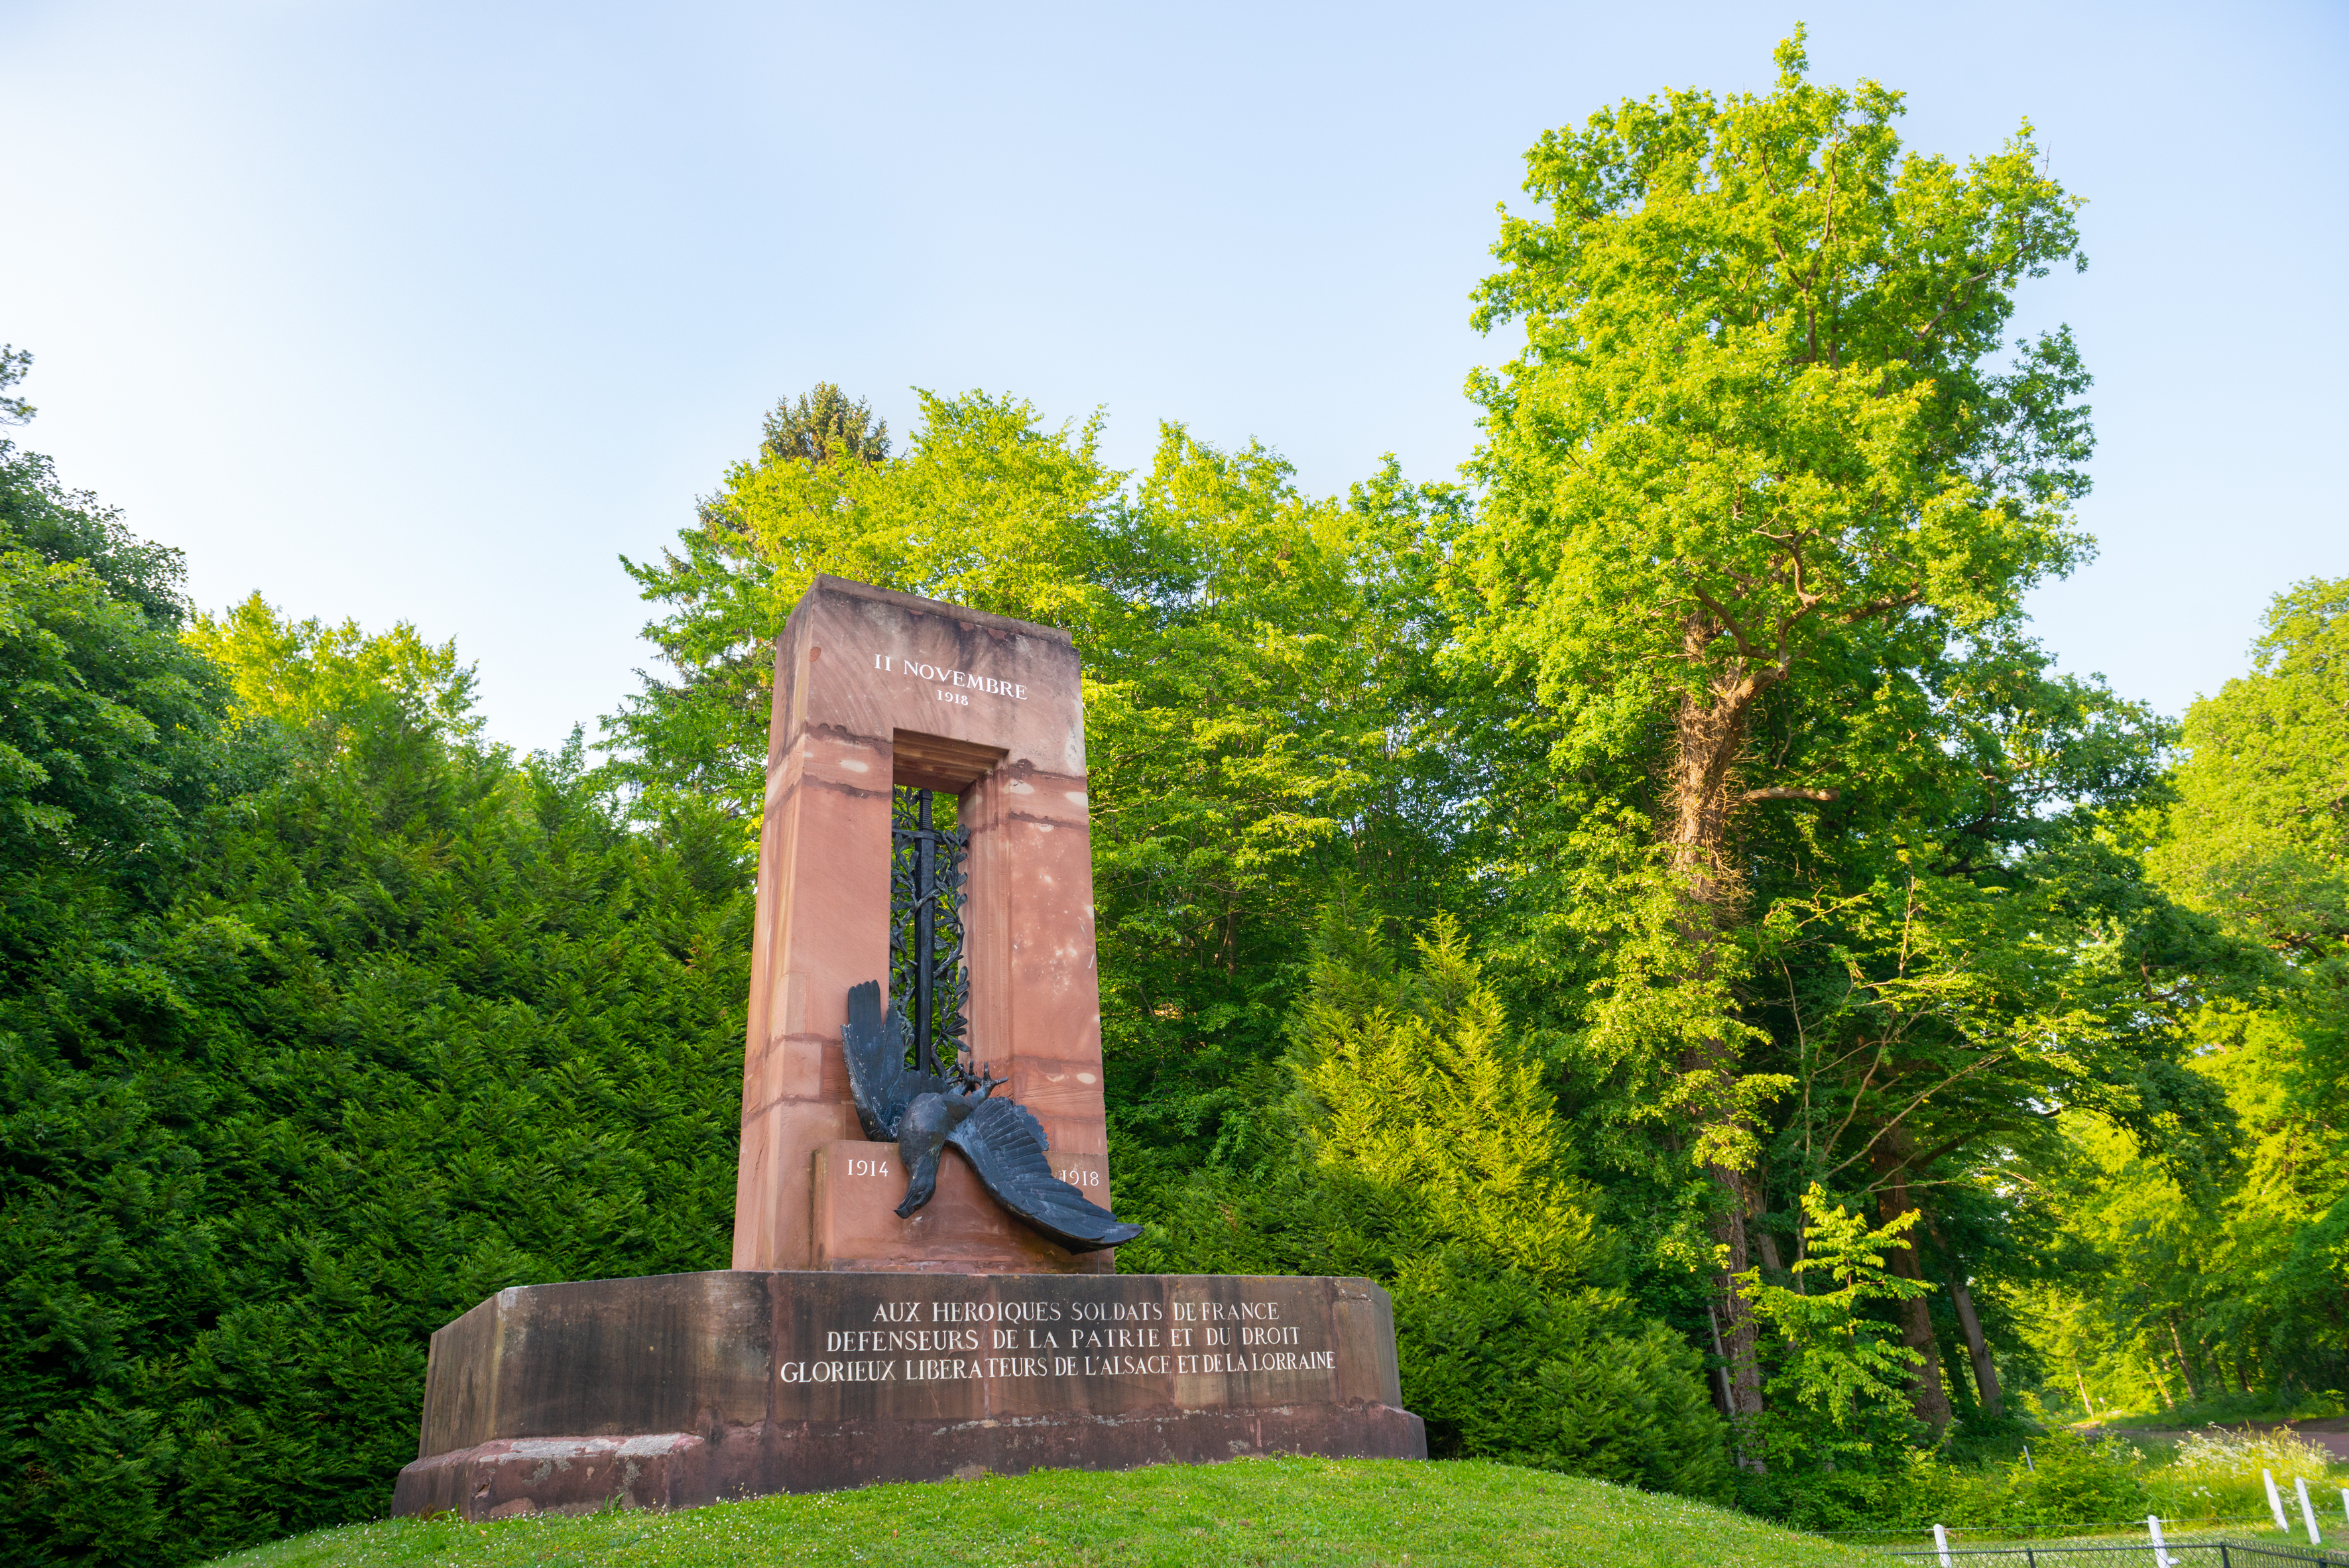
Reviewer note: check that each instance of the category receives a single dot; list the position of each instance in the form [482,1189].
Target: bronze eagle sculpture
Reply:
[922,1112]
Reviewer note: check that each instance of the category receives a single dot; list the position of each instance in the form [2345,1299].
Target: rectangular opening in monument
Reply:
[928,978]
[934,762]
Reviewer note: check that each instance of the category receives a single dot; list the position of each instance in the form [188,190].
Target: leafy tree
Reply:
[2223,1279]
[319,1022]
[108,735]
[986,509]
[299,674]
[420,1025]
[1841,1384]
[1836,1359]
[14,363]
[1759,467]
[2258,834]
[1419,1146]
[822,426]
[1423,1097]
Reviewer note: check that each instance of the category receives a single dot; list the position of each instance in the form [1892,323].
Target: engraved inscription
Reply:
[991,1341]
[951,684]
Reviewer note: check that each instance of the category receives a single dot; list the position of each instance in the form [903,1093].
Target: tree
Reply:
[987,509]
[2258,834]
[1759,438]
[302,674]
[408,1023]
[108,734]
[1418,1143]
[1841,1382]
[825,427]
[2257,837]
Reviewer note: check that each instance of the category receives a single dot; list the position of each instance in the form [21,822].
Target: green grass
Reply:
[1464,1514]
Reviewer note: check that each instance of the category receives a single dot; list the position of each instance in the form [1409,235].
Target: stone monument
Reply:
[865,1333]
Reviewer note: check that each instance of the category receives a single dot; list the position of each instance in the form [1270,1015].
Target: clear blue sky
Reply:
[428,312]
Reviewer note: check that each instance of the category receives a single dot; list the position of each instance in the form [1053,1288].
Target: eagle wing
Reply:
[1005,1144]
[873,1042]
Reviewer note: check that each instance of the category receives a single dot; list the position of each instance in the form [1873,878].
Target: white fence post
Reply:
[2161,1557]
[2345,1503]
[2307,1514]
[1941,1544]
[2275,1503]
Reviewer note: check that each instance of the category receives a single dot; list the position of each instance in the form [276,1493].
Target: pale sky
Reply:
[429,311]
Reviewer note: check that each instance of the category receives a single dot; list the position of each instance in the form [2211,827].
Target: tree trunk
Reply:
[1774,1268]
[2185,1367]
[1722,1398]
[1977,1349]
[1740,1336]
[1709,732]
[1926,1395]
[1961,1297]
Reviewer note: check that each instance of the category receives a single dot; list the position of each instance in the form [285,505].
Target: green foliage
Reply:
[107,733]
[1421,1148]
[425,1024]
[310,1038]
[987,509]
[2259,830]
[1838,1424]
[1757,389]
[2217,1474]
[1838,1361]
[823,426]
[1558,1379]
[1803,863]
[1423,1096]
[2067,1480]
[302,674]
[2229,1267]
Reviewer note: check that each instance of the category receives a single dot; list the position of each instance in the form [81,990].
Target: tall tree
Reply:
[2257,837]
[1761,436]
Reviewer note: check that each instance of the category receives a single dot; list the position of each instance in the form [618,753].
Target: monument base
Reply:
[680,1390]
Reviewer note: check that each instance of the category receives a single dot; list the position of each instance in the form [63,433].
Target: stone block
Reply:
[961,1230]
[688,1388]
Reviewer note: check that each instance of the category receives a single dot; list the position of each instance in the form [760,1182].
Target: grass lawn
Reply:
[1384,1512]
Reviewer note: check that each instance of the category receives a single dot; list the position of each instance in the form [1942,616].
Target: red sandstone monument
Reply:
[849,1345]
[876,689]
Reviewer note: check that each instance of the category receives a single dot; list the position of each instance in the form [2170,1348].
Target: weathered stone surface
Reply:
[687,1389]
[961,1230]
[872,689]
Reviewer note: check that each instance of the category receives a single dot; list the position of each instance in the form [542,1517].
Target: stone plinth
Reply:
[682,1389]
[961,1230]
[875,690]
